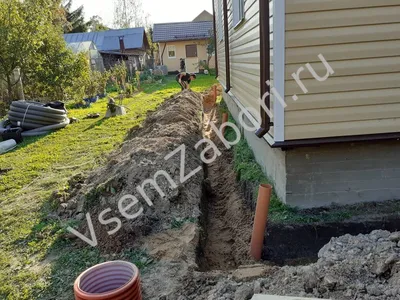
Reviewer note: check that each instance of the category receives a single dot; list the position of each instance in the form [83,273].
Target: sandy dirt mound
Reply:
[174,244]
[176,122]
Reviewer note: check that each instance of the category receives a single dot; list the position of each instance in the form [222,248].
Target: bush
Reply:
[59,74]
[3,109]
[118,75]
[129,89]
[145,75]
[102,80]
[158,75]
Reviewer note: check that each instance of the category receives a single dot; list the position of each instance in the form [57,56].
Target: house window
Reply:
[220,23]
[171,52]
[238,12]
[191,50]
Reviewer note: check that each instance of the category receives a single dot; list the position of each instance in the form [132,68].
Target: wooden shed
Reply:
[321,80]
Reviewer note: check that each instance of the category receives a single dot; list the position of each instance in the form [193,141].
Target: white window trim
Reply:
[170,46]
[279,68]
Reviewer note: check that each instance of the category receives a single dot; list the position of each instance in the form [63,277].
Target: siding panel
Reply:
[343,51]
[245,56]
[297,6]
[343,128]
[351,17]
[348,67]
[361,41]
[342,35]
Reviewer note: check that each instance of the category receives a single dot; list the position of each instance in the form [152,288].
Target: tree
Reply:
[75,19]
[210,47]
[55,70]
[31,41]
[22,27]
[153,46]
[96,24]
[128,13]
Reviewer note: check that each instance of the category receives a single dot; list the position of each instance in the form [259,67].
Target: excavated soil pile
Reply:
[349,267]
[175,123]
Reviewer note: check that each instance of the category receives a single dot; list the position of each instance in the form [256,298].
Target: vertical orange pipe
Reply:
[260,221]
[215,93]
[225,118]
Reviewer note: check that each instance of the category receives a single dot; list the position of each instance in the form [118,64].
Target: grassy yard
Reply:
[35,263]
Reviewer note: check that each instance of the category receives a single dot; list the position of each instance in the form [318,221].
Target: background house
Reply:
[129,45]
[326,141]
[184,40]
[204,16]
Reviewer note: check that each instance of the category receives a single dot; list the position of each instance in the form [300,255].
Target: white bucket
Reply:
[7,146]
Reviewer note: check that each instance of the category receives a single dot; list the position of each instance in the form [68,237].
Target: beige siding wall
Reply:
[244,54]
[173,64]
[361,41]
[220,45]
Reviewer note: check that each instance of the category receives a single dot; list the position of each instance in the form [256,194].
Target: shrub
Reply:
[3,109]
[58,69]
[158,75]
[118,75]
[145,75]
[129,89]
[102,80]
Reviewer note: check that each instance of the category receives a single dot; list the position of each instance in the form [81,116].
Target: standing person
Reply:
[183,65]
[184,79]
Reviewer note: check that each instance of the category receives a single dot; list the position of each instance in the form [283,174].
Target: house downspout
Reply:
[162,54]
[215,41]
[265,61]
[227,50]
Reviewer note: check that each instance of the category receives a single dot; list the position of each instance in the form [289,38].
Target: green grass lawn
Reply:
[35,263]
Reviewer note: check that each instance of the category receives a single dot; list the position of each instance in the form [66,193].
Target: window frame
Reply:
[220,21]
[238,8]
[174,47]
[196,52]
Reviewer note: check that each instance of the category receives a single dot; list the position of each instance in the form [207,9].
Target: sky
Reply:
[161,11]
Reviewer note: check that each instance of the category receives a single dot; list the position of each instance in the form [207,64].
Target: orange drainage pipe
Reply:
[225,118]
[260,221]
[215,93]
[115,280]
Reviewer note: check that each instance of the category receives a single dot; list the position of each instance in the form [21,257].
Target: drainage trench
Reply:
[227,214]
[226,222]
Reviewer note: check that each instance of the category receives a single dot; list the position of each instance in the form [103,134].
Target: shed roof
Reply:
[182,31]
[109,40]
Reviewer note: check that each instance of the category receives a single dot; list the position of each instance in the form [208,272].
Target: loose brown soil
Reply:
[228,226]
[175,123]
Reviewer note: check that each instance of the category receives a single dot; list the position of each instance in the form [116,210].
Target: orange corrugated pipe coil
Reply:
[115,280]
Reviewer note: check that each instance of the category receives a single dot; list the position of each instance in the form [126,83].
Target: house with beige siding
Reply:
[319,82]
[187,41]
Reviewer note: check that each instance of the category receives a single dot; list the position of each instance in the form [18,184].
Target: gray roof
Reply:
[109,40]
[182,31]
